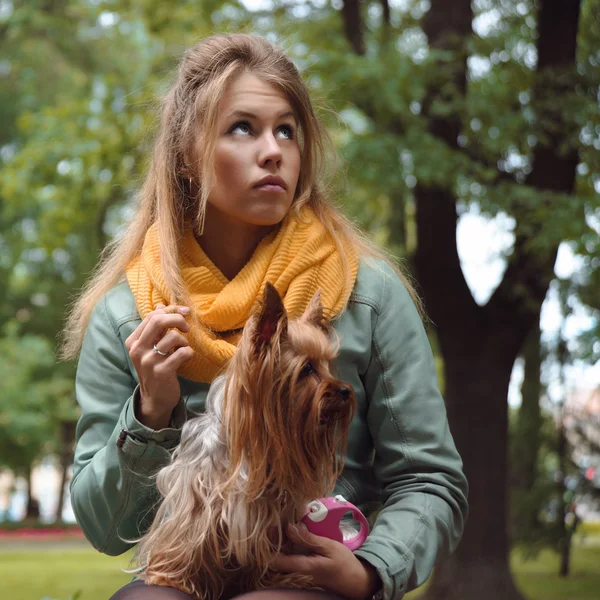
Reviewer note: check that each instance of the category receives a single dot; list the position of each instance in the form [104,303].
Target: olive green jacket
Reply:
[401,457]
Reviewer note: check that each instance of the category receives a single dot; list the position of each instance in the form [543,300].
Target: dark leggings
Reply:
[138,590]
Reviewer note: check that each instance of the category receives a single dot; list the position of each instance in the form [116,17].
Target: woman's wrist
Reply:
[374,581]
[153,422]
[150,418]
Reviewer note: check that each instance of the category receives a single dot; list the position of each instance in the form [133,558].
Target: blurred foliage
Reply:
[81,80]
[562,435]
[35,398]
[532,535]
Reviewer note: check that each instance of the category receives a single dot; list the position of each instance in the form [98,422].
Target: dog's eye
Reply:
[307,369]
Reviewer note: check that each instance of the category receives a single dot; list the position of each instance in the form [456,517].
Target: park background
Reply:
[468,139]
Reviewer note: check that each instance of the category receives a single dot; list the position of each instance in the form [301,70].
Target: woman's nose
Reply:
[270,149]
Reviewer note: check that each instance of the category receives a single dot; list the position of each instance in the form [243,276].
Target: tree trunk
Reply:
[397,223]
[526,443]
[565,559]
[477,380]
[32,510]
[562,449]
[353,25]
[563,534]
[67,435]
[64,467]
[530,416]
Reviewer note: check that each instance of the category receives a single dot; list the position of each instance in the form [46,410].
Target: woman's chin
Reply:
[268,216]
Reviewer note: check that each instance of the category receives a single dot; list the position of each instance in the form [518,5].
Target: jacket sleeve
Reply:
[112,492]
[415,461]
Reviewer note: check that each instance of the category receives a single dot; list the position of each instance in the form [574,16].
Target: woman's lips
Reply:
[270,187]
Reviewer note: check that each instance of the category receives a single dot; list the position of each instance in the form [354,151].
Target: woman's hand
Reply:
[159,387]
[332,566]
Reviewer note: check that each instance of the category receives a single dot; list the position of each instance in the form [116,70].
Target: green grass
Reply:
[538,578]
[58,573]
[590,528]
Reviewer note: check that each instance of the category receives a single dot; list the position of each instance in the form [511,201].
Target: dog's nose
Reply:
[344,391]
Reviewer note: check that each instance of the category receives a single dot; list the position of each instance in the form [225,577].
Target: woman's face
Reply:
[256,137]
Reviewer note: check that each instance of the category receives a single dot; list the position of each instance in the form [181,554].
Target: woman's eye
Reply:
[290,130]
[240,125]
[307,369]
[245,125]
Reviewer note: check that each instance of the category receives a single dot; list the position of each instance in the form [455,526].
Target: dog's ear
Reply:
[272,315]
[315,315]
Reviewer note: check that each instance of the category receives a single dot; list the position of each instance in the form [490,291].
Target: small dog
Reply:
[272,439]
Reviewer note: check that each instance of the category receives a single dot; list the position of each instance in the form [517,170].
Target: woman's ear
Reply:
[186,170]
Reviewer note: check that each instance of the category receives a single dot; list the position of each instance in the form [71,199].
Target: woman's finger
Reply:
[171,341]
[158,324]
[137,332]
[159,309]
[317,543]
[172,362]
[294,563]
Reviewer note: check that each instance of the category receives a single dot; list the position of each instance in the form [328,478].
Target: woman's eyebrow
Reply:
[243,113]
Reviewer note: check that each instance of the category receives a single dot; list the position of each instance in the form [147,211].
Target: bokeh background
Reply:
[468,139]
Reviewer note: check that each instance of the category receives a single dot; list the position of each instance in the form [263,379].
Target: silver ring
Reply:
[157,351]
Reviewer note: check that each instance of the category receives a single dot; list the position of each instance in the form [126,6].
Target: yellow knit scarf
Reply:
[298,258]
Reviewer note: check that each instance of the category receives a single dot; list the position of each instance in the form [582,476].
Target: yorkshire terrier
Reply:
[272,439]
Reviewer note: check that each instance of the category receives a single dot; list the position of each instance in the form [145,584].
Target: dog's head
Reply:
[285,415]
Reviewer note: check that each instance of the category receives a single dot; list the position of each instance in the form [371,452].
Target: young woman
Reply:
[233,199]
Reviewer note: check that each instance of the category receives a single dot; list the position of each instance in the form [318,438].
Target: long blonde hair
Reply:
[190,109]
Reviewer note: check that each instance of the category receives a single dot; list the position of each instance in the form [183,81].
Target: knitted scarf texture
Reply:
[297,258]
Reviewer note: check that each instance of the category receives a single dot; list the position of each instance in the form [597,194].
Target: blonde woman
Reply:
[233,199]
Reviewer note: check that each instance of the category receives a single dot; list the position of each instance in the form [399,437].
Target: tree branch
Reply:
[353,27]
[386,12]
[528,275]
[446,25]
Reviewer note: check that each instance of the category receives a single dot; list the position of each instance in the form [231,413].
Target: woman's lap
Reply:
[291,594]
[138,590]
